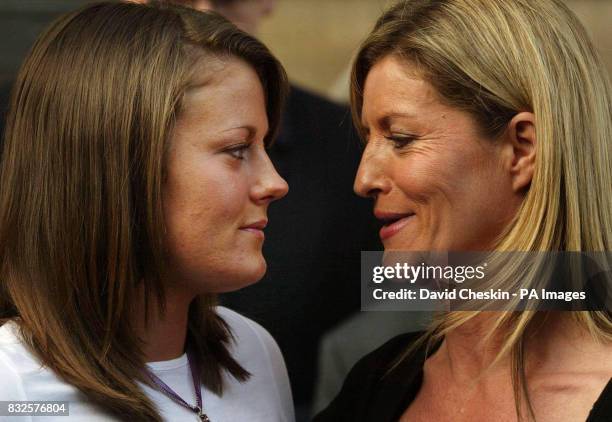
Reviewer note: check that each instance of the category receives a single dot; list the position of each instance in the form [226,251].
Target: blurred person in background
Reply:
[245,14]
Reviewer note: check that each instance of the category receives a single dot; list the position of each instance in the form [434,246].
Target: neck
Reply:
[467,355]
[164,335]
[560,343]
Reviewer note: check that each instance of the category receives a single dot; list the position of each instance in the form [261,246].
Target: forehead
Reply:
[396,94]
[228,75]
[226,94]
[227,82]
[395,86]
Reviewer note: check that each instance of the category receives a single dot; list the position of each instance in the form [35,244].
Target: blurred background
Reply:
[315,40]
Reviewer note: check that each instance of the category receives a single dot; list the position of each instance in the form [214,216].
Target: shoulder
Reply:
[15,357]
[247,333]
[253,346]
[25,377]
[12,359]
[256,351]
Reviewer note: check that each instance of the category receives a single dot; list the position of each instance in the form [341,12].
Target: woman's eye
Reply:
[400,141]
[238,152]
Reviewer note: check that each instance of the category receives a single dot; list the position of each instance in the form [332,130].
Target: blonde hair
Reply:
[81,220]
[493,59]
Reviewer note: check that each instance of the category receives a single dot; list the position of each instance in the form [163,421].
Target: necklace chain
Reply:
[170,393]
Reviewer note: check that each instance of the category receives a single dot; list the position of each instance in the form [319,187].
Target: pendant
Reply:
[201,415]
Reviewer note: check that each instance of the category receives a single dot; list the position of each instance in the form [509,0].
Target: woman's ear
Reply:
[521,138]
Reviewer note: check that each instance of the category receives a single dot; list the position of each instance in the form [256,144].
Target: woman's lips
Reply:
[391,229]
[256,228]
[257,232]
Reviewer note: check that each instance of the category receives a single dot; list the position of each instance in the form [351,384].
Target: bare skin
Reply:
[164,336]
[220,182]
[427,165]
[563,386]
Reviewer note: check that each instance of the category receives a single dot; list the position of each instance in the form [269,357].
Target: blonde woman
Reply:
[134,187]
[488,126]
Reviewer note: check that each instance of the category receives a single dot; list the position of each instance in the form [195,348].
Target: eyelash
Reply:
[237,152]
[400,141]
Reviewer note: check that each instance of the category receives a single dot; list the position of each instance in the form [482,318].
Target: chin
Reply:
[249,271]
[255,273]
[405,245]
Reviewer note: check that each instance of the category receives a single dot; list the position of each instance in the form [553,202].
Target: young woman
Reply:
[488,127]
[134,187]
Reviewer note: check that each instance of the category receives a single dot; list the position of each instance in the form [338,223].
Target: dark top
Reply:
[369,395]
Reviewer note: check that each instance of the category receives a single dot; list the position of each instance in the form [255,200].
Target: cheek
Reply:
[481,183]
[475,198]
[462,173]
[451,188]
[428,178]
[204,206]
[202,200]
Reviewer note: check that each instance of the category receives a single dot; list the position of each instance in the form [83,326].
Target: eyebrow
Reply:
[385,121]
[252,131]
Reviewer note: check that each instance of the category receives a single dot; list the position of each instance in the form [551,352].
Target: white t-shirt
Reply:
[265,397]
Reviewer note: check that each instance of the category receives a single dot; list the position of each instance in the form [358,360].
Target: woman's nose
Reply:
[270,185]
[371,179]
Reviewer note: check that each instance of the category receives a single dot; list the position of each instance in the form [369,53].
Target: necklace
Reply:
[195,376]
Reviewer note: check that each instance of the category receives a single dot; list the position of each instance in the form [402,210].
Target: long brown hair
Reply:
[81,221]
[494,59]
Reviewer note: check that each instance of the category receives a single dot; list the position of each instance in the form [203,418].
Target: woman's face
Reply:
[219,182]
[437,183]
